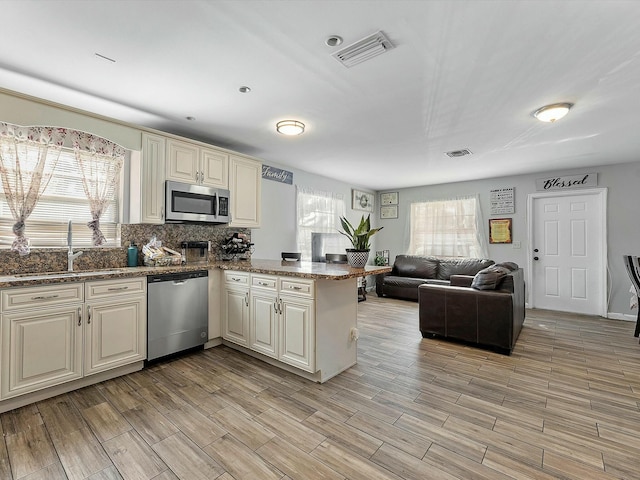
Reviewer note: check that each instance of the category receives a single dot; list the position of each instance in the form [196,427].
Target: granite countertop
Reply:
[330,271]
[271,267]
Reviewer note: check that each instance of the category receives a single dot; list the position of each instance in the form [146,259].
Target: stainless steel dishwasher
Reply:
[177,312]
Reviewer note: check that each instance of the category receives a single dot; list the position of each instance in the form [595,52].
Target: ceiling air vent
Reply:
[458,153]
[364,49]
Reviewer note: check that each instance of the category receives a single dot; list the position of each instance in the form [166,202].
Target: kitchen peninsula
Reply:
[299,316]
[66,330]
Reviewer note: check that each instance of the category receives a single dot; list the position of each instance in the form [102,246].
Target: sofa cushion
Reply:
[396,281]
[415,266]
[490,278]
[461,266]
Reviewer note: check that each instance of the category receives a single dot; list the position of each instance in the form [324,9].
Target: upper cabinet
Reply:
[245,177]
[153,176]
[189,163]
[168,158]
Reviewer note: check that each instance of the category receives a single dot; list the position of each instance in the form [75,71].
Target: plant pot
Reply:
[357,258]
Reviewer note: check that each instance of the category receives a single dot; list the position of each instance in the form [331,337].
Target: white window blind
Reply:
[450,228]
[63,200]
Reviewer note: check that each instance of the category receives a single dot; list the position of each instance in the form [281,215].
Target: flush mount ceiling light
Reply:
[290,127]
[551,113]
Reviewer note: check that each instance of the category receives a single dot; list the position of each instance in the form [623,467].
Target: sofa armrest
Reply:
[488,317]
[461,280]
[380,282]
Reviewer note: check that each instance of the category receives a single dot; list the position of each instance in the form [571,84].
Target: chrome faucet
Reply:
[70,255]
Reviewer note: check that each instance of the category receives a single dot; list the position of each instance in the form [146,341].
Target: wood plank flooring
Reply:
[565,404]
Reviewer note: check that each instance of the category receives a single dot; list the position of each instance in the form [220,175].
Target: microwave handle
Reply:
[217,205]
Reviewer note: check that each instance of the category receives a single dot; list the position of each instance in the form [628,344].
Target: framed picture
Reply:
[389,198]
[389,211]
[500,230]
[362,200]
[382,257]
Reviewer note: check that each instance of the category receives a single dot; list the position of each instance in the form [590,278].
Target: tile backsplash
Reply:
[171,235]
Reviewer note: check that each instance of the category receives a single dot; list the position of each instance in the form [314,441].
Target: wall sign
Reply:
[500,230]
[502,200]
[361,200]
[277,174]
[567,182]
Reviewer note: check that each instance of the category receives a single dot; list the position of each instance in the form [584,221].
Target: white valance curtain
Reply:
[100,162]
[28,156]
[28,159]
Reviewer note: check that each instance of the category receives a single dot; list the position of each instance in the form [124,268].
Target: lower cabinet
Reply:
[235,308]
[40,349]
[114,333]
[46,342]
[281,318]
[297,332]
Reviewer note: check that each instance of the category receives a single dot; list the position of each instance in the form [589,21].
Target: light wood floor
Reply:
[564,405]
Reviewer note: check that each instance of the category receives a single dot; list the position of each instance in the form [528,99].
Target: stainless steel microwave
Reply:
[185,203]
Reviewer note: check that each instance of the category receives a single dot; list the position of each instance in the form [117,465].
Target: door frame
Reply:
[601,194]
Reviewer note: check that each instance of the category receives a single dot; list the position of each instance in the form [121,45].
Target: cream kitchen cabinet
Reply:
[245,177]
[297,332]
[42,335]
[152,178]
[50,336]
[281,319]
[264,315]
[235,308]
[116,323]
[190,163]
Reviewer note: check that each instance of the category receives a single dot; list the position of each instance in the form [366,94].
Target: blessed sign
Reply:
[277,174]
[566,182]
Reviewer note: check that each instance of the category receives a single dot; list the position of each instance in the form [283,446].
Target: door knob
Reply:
[535,258]
[535,250]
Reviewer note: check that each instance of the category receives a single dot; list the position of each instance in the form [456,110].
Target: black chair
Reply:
[633,269]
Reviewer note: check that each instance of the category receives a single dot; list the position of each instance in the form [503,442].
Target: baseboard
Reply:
[622,316]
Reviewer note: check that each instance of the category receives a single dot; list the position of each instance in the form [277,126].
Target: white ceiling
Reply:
[463,74]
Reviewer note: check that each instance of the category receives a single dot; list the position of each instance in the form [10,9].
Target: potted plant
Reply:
[359,238]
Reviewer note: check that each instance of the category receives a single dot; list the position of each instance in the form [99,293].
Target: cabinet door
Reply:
[263,327]
[235,316]
[214,168]
[115,333]
[297,333]
[183,162]
[153,176]
[40,349]
[245,177]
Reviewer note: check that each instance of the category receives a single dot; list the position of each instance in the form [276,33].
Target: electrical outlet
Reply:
[354,334]
[517,244]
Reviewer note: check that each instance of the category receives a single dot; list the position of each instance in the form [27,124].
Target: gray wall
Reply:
[622,182]
[623,195]
[278,231]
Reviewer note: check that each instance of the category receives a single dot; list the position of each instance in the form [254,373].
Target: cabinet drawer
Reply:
[296,286]
[236,278]
[46,295]
[264,281]
[117,286]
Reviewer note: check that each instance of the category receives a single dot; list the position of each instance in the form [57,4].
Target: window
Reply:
[448,228]
[317,212]
[63,200]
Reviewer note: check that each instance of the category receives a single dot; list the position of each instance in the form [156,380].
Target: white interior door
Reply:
[567,264]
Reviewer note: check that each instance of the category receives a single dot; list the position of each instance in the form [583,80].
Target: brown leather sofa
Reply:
[411,271]
[489,318]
